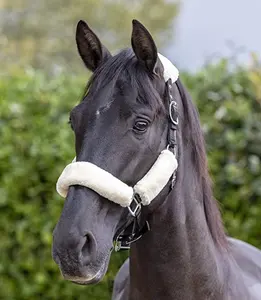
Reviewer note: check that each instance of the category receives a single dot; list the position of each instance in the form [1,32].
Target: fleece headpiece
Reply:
[110,187]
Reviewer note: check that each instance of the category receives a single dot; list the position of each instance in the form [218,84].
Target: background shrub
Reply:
[36,143]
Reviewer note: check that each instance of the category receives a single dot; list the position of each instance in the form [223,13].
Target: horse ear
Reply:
[143,46]
[92,52]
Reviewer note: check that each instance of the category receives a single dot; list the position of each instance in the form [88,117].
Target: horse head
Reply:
[121,126]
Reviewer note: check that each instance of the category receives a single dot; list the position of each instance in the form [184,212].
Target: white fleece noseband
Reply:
[105,184]
[110,187]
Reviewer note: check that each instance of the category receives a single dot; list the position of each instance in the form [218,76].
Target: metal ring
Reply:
[134,212]
[174,104]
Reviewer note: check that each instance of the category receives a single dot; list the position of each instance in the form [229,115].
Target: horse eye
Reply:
[141,126]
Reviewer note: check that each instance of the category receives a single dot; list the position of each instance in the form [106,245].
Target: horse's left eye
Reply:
[141,126]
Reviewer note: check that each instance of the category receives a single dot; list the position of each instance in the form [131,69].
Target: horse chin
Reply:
[87,277]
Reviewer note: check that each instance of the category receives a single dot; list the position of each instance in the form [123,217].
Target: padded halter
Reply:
[91,176]
[102,182]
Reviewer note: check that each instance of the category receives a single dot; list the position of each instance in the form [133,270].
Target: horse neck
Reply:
[181,257]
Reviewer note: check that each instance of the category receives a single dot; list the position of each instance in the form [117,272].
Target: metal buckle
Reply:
[174,105]
[136,210]
[118,244]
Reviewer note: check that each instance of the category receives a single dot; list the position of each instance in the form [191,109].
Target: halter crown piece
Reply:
[102,182]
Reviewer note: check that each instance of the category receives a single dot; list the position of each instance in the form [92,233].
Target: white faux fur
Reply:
[170,71]
[108,186]
[155,180]
[89,175]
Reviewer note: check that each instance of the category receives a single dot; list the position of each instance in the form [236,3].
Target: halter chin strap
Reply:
[91,176]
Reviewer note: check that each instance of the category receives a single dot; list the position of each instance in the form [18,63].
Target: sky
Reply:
[207,29]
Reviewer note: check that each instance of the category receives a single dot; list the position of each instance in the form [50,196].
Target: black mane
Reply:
[195,138]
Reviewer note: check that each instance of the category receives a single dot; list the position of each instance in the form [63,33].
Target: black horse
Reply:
[121,126]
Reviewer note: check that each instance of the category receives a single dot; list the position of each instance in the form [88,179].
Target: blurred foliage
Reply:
[36,143]
[41,33]
[255,75]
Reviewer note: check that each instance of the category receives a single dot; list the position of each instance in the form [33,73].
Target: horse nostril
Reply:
[88,252]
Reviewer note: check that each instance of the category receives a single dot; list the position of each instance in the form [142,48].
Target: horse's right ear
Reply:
[91,50]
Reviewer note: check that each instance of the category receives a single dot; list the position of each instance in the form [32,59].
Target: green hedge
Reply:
[36,143]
